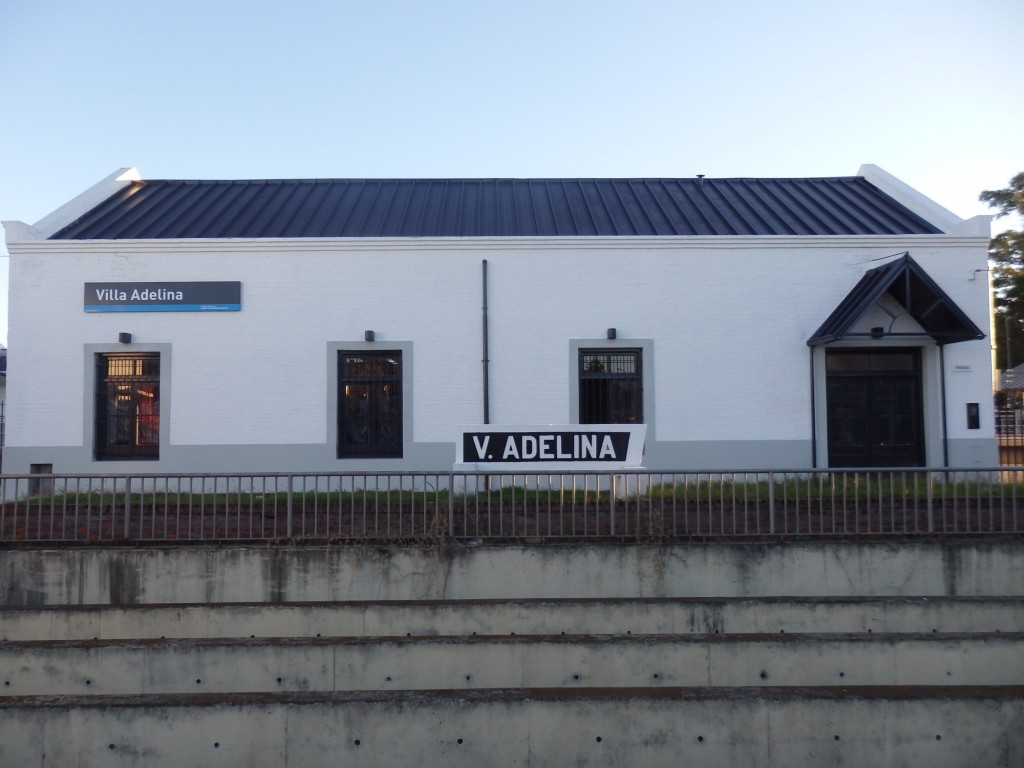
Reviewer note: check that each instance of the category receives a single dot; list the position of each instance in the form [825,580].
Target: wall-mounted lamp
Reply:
[877,332]
[124,338]
[368,335]
[611,333]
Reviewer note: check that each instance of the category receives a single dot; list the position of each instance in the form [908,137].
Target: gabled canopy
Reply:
[920,296]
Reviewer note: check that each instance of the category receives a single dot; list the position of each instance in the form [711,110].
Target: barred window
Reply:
[370,404]
[611,386]
[127,406]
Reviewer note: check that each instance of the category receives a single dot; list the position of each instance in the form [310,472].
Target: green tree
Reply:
[1006,256]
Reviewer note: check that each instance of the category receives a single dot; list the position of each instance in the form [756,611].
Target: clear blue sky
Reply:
[927,89]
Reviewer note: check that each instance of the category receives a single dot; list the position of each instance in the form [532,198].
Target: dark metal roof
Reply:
[148,210]
[920,296]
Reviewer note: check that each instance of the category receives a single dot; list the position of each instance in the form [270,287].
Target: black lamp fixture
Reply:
[612,333]
[124,338]
[368,335]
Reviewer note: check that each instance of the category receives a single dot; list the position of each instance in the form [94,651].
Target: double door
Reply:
[874,408]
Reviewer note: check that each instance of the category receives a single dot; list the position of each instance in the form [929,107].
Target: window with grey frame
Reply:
[611,386]
[370,404]
[127,411]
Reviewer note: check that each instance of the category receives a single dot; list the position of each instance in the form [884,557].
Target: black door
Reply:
[874,408]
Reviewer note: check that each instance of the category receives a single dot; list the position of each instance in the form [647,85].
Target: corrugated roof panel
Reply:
[819,216]
[733,197]
[201,214]
[495,208]
[655,203]
[850,213]
[638,214]
[843,215]
[695,212]
[306,208]
[778,199]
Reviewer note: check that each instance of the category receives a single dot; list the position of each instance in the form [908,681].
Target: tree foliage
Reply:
[1006,256]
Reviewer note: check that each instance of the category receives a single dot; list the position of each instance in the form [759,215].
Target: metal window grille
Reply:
[611,387]
[127,406]
[370,404]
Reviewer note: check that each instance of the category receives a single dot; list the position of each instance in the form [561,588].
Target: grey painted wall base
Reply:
[705,455]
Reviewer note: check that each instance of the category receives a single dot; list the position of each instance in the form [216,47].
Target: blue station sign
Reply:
[222,296]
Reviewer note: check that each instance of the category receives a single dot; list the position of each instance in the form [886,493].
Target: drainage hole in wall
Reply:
[934,630]
[842,674]
[459,741]
[938,737]
[836,737]
[656,675]
[110,746]
[575,677]
[318,634]
[279,680]
[598,739]
[949,674]
[389,679]
[252,637]
[764,675]
[467,677]
[7,682]
[357,742]
[700,739]
[88,682]
[216,745]
[198,680]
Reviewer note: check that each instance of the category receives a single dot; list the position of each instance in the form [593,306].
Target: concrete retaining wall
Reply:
[724,728]
[262,574]
[638,616]
[428,664]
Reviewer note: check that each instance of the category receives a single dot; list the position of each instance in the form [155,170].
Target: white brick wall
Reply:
[729,319]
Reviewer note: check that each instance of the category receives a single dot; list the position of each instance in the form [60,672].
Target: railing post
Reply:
[451,504]
[612,491]
[930,499]
[288,503]
[771,502]
[127,507]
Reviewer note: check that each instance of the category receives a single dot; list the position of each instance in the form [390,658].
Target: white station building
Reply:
[335,325]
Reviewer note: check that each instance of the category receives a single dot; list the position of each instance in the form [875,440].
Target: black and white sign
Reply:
[225,296]
[574,446]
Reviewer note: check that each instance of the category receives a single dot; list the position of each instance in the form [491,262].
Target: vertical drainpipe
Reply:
[485,361]
[942,394]
[814,423]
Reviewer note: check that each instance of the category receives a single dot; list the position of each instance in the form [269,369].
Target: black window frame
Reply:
[597,383]
[127,418]
[384,392]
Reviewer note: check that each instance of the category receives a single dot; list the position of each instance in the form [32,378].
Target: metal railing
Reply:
[443,507]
